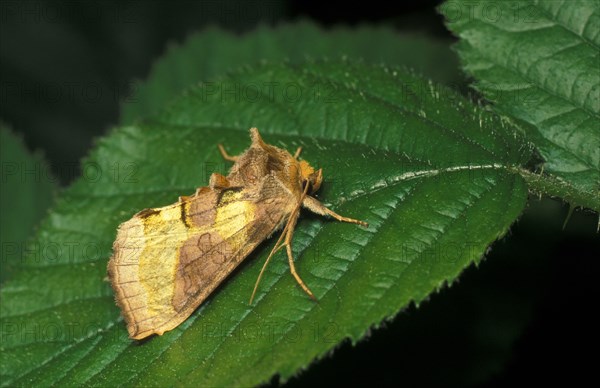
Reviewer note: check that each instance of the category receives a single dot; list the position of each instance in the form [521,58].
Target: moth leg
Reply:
[288,247]
[199,191]
[297,153]
[218,181]
[315,206]
[288,232]
[226,156]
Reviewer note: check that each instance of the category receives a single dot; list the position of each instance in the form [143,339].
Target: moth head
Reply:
[309,175]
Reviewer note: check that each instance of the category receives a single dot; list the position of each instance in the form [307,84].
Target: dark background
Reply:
[524,316]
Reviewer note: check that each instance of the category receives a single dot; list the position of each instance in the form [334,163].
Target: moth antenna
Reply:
[225,155]
[297,153]
[273,251]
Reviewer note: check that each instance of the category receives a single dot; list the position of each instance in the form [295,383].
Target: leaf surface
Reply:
[26,193]
[212,52]
[435,177]
[538,62]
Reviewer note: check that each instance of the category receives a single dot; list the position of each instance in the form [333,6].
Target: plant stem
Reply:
[556,187]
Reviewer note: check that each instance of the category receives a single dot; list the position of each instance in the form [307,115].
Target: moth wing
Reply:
[167,260]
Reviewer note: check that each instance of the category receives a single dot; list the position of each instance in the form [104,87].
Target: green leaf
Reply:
[26,193]
[214,51]
[436,177]
[537,61]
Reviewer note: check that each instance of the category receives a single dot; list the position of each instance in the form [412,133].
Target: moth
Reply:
[166,261]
